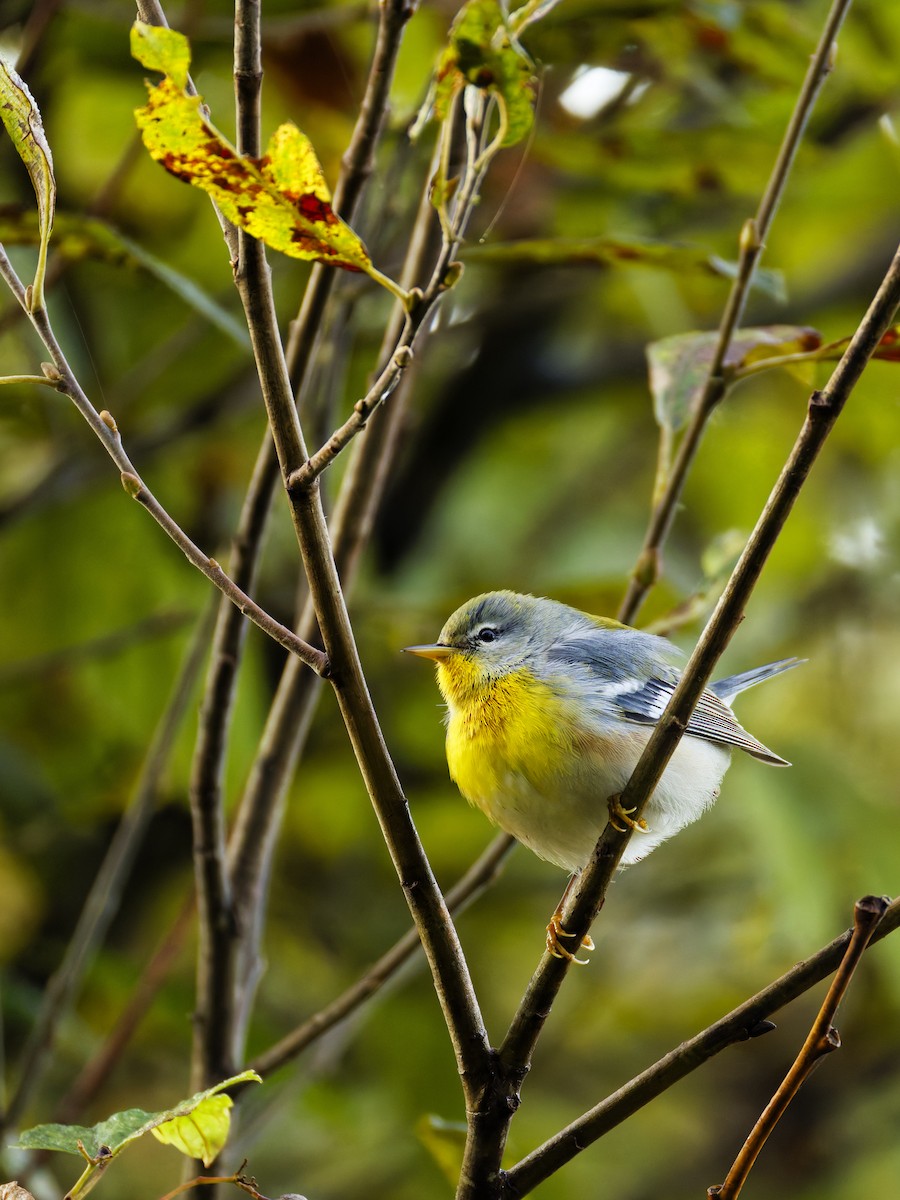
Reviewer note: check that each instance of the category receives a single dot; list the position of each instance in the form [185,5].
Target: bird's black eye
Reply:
[487,634]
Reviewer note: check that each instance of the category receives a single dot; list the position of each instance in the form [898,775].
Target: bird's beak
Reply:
[435,651]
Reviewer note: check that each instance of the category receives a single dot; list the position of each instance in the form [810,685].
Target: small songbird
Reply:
[548,711]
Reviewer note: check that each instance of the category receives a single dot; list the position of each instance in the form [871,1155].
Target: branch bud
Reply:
[131,484]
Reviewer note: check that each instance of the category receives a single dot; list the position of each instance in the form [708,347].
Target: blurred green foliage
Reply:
[528,462]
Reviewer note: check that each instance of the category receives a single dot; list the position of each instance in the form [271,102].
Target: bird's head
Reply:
[488,637]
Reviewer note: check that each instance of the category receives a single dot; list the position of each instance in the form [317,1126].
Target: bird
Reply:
[548,710]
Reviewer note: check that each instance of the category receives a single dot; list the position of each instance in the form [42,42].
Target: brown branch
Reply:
[821,1040]
[587,898]
[106,430]
[253,837]
[736,1026]
[482,1163]
[752,243]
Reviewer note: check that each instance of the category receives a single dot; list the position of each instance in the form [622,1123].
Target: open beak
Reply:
[435,651]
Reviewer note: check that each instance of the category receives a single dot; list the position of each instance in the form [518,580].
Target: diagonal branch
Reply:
[824,408]
[451,975]
[752,243]
[106,430]
[736,1026]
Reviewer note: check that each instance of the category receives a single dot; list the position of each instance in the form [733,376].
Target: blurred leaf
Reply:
[112,1135]
[281,198]
[482,52]
[23,124]
[445,1141]
[679,365]
[625,251]
[77,237]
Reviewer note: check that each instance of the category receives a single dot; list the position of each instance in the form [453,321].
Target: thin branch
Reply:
[587,897]
[736,1026]
[258,817]
[822,1039]
[752,243]
[307,654]
[106,430]
[423,896]
[468,888]
[105,894]
[253,837]
[445,273]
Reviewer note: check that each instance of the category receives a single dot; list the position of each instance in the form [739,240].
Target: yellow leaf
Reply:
[163,50]
[281,198]
[201,1133]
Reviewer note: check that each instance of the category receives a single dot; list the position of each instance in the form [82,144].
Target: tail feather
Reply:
[726,689]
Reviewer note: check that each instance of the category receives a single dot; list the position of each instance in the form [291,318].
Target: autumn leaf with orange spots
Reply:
[281,198]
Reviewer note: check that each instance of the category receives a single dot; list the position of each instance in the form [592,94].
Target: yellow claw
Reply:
[555,931]
[617,812]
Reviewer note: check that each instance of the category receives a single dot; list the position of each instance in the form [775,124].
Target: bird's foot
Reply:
[618,813]
[555,932]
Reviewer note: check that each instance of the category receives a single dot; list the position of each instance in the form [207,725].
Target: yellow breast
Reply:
[500,729]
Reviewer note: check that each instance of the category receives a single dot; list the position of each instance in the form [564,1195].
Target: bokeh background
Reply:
[527,462]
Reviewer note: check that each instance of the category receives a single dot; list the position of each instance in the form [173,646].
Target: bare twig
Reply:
[821,1040]
[253,838]
[735,1027]
[106,430]
[752,243]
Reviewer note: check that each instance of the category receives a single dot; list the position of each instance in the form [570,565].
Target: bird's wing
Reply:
[712,719]
[633,673]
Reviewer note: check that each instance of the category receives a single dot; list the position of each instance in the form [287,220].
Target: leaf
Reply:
[111,1136]
[482,52]
[625,251]
[24,125]
[201,1133]
[281,199]
[679,365]
[76,237]
[445,1142]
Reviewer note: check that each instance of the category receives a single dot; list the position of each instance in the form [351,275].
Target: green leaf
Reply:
[201,1133]
[619,251]
[76,237]
[482,52]
[679,365]
[23,123]
[281,199]
[111,1136]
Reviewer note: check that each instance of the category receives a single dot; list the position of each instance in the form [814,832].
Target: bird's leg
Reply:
[618,813]
[555,931]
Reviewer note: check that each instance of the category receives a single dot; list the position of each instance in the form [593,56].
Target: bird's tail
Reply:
[726,689]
